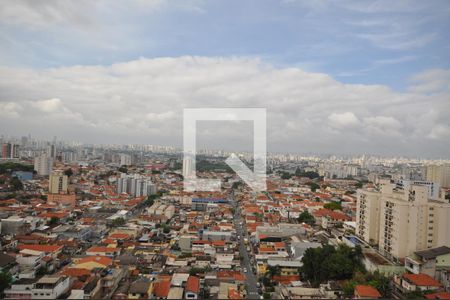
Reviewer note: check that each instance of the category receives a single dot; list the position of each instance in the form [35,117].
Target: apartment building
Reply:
[58,183]
[439,174]
[10,151]
[43,165]
[135,185]
[368,215]
[402,221]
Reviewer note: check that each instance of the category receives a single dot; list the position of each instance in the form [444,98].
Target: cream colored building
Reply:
[368,215]
[439,174]
[58,183]
[402,221]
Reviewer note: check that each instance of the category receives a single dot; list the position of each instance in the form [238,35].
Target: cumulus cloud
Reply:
[142,101]
[431,81]
[9,109]
[49,105]
[439,131]
[342,120]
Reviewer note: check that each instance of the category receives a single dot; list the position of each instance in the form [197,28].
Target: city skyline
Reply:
[357,79]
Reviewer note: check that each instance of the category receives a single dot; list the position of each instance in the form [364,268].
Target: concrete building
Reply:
[12,225]
[58,183]
[402,221]
[188,166]
[43,165]
[135,185]
[10,151]
[125,160]
[439,174]
[433,187]
[51,151]
[50,287]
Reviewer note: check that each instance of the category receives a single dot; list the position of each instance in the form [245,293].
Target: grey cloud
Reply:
[141,101]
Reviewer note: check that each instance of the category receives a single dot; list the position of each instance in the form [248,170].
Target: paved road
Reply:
[252,288]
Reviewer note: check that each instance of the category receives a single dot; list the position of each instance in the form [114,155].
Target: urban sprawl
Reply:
[114,222]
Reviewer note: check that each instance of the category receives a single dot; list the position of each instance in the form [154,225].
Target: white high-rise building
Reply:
[51,151]
[401,221]
[125,160]
[433,187]
[43,165]
[188,166]
[135,185]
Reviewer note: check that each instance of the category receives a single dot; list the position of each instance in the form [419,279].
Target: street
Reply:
[251,280]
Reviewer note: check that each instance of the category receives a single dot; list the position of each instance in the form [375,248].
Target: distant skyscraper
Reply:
[58,183]
[10,151]
[24,141]
[43,165]
[125,160]
[135,185]
[188,166]
[51,151]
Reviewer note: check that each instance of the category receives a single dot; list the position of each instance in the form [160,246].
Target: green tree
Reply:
[273,271]
[16,184]
[68,172]
[123,169]
[149,201]
[306,217]
[329,263]
[5,281]
[118,222]
[380,282]
[310,174]
[9,167]
[195,271]
[314,186]
[285,175]
[333,206]
[53,221]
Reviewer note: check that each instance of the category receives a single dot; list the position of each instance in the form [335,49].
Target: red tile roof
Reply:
[102,249]
[421,279]
[75,272]
[286,279]
[103,260]
[119,236]
[193,284]
[233,294]
[440,295]
[235,275]
[367,291]
[42,248]
[161,289]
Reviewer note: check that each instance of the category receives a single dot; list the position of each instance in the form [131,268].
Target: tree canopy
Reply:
[333,206]
[314,186]
[68,172]
[5,280]
[329,263]
[118,222]
[16,184]
[306,217]
[13,166]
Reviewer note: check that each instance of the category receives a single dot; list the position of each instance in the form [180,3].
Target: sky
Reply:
[348,77]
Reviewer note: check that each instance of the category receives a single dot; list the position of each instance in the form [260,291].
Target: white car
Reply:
[245,270]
